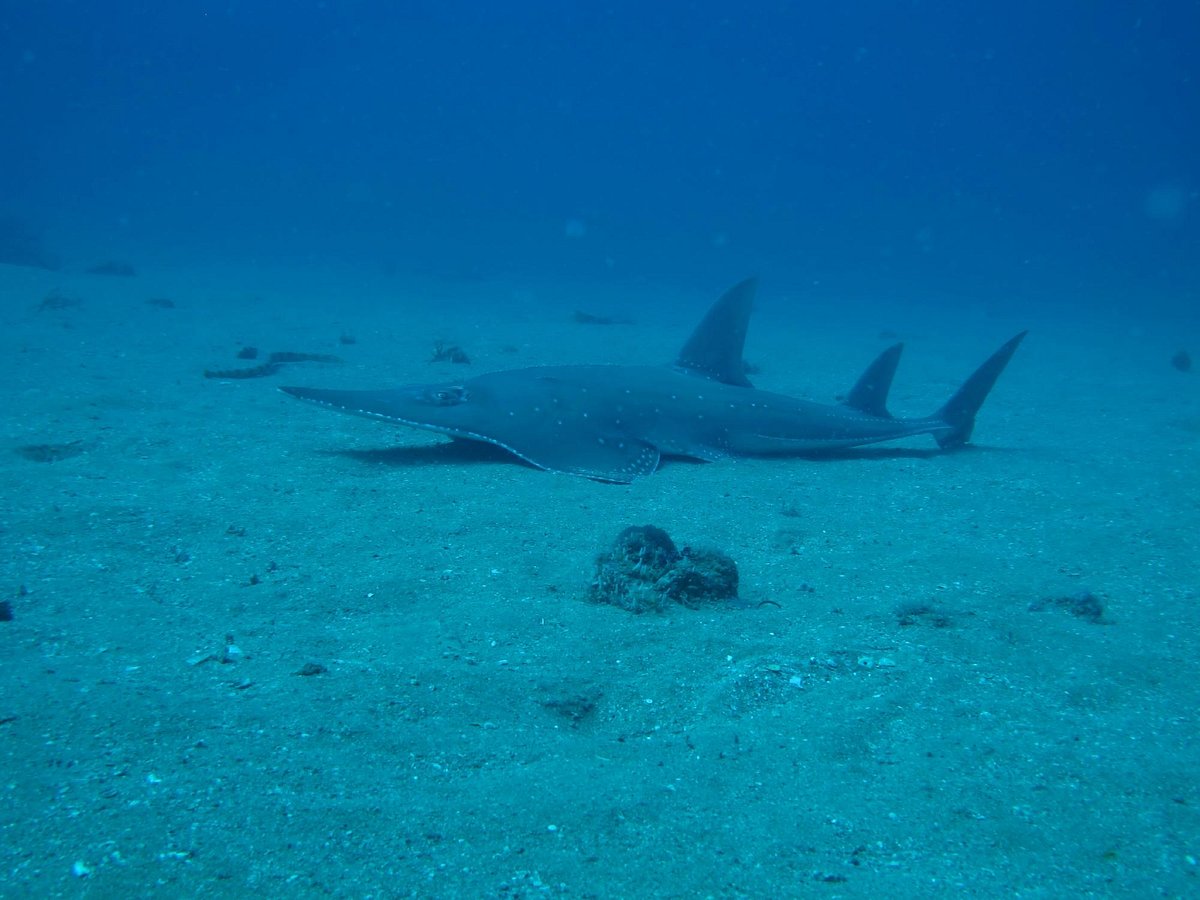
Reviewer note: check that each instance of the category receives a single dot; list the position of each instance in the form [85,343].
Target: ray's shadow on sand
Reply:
[466,453]
[446,453]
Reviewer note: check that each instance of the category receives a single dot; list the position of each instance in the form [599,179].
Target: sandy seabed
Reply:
[256,646]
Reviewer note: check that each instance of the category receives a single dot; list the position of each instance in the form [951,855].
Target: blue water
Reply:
[1016,152]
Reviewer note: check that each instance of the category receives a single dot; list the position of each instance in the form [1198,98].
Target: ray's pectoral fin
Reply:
[604,457]
[541,441]
[420,405]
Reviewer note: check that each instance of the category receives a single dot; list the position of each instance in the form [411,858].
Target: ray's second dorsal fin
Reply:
[715,348]
[870,392]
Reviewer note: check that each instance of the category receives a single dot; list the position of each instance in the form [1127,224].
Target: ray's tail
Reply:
[959,411]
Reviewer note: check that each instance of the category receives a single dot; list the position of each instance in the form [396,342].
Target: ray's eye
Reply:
[449,396]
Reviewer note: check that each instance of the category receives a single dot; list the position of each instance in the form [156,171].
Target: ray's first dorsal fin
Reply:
[870,392]
[715,348]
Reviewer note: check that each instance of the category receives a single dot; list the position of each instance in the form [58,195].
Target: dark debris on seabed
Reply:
[57,301]
[51,453]
[115,268]
[644,571]
[1084,605]
[452,353]
[274,362]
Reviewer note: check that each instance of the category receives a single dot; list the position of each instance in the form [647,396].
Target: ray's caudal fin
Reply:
[959,411]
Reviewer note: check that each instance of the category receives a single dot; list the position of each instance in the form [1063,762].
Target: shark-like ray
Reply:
[615,423]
